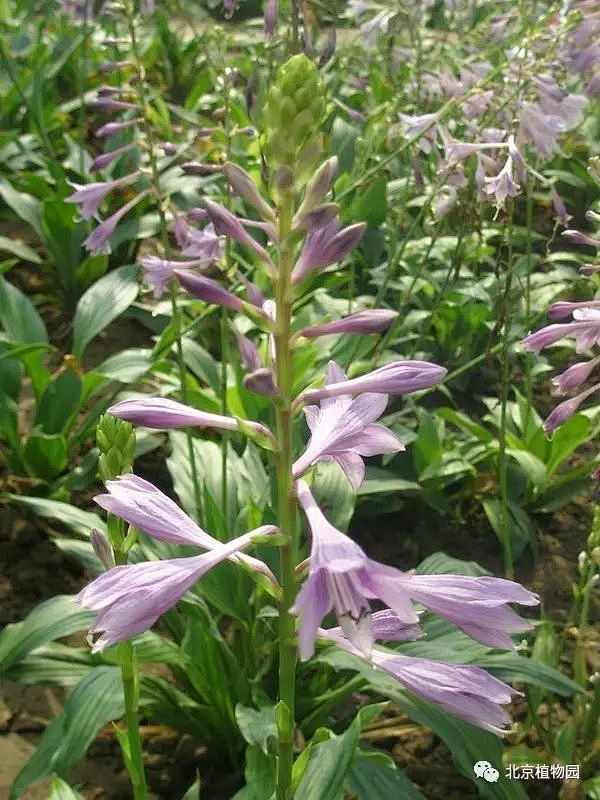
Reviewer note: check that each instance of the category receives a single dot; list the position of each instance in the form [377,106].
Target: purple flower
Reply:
[539,128]
[243,186]
[563,309]
[585,329]
[560,209]
[387,627]
[208,290]
[326,246]
[466,692]
[271,17]
[98,240]
[129,599]
[104,160]
[478,606]
[566,409]
[399,377]
[159,271]
[229,225]
[101,547]
[423,128]
[578,237]
[343,430]
[502,185]
[261,381]
[363,322]
[574,375]
[343,578]
[112,128]
[165,414]
[204,244]
[89,196]
[589,269]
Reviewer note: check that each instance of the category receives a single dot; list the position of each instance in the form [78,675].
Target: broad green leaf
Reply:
[19,249]
[256,726]
[193,793]
[128,366]
[71,517]
[45,455]
[23,325]
[102,303]
[534,469]
[260,776]
[52,619]
[374,776]
[334,494]
[442,564]
[328,766]
[97,700]
[59,403]
[25,206]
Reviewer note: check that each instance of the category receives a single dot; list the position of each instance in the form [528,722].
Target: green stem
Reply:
[286,504]
[504,378]
[175,312]
[134,759]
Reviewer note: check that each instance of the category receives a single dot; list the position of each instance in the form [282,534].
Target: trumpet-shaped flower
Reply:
[343,430]
[399,377]
[130,598]
[159,271]
[325,246]
[98,240]
[343,578]
[371,320]
[89,196]
[585,329]
[165,414]
[466,692]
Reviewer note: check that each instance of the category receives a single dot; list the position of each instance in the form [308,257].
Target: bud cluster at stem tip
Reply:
[294,110]
[116,441]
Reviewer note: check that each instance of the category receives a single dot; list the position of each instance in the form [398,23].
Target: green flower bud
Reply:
[294,110]
[116,441]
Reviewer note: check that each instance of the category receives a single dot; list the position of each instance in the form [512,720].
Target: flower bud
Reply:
[243,185]
[101,547]
[116,441]
[294,109]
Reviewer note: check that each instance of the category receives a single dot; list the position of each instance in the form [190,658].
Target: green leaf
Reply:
[52,619]
[19,249]
[533,467]
[442,564]
[70,516]
[97,700]
[328,766]
[60,402]
[564,742]
[102,303]
[374,776]
[25,206]
[128,366]
[45,455]
[23,325]
[257,727]
[334,494]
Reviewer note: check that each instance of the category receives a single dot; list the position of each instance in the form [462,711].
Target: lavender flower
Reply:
[466,692]
[208,290]
[343,430]
[271,17]
[399,377]
[574,375]
[204,244]
[362,323]
[104,160]
[98,240]
[229,225]
[585,329]
[89,196]
[112,128]
[578,237]
[539,128]
[502,185]
[343,578]
[566,409]
[159,271]
[326,246]
[165,414]
[563,309]
[129,599]
[422,128]
[110,104]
